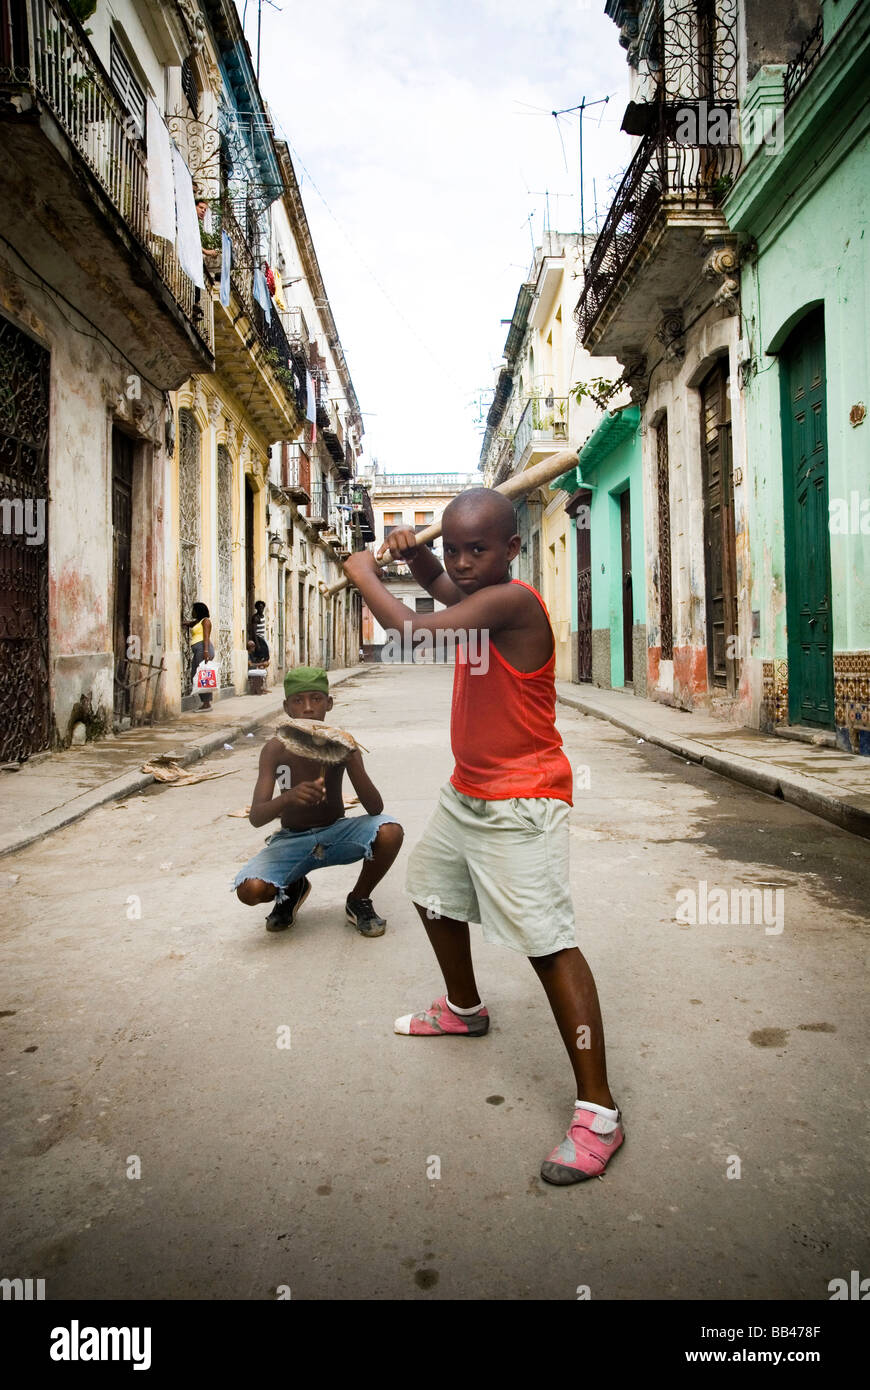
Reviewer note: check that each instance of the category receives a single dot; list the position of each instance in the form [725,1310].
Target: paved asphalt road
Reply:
[731,1049]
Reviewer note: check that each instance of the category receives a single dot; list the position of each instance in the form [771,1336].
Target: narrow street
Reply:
[737,1053]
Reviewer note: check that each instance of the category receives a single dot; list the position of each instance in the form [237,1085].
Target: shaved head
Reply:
[482,506]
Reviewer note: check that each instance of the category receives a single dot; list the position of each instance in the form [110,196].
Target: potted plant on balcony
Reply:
[560,423]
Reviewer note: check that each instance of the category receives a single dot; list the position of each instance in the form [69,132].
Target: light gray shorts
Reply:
[503,864]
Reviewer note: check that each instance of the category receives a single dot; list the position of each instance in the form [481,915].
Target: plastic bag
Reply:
[205,676]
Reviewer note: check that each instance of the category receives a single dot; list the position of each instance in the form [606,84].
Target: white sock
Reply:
[464,1013]
[597,1109]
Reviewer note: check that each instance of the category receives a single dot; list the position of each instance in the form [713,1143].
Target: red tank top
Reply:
[503,728]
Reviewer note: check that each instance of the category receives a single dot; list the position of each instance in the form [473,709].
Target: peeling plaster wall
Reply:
[821,255]
[90,390]
[674,389]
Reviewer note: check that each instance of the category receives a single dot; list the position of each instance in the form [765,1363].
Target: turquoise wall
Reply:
[609,477]
[820,257]
[807,207]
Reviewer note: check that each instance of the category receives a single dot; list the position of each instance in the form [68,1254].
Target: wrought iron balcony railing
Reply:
[804,60]
[270,330]
[43,48]
[663,174]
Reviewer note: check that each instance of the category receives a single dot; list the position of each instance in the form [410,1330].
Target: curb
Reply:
[131,782]
[779,783]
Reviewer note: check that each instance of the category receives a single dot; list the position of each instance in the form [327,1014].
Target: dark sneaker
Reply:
[283,916]
[360,912]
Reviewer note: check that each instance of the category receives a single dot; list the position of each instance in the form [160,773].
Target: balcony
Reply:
[544,422]
[804,61]
[295,473]
[74,189]
[333,436]
[360,514]
[317,511]
[255,353]
[663,222]
[422,484]
[297,330]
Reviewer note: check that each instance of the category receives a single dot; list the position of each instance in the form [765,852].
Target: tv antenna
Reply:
[567,111]
[259,24]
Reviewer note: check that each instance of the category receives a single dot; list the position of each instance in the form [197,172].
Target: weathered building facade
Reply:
[162,393]
[805,271]
[267,445]
[537,412]
[663,294]
[98,322]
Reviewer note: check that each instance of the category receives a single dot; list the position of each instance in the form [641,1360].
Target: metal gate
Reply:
[224,643]
[25,710]
[190,513]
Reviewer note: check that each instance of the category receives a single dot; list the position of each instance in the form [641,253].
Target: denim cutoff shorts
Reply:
[291,854]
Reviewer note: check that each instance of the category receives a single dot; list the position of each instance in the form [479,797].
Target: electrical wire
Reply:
[364,263]
[97,336]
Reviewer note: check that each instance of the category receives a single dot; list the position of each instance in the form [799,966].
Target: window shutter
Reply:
[188,86]
[126,86]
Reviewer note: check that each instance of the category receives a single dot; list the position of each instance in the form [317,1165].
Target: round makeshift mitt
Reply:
[323,743]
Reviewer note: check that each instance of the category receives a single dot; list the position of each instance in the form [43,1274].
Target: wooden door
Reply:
[582,526]
[627,592]
[720,551]
[807,540]
[122,535]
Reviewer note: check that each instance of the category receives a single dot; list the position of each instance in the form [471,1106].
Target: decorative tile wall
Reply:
[852,700]
[774,692]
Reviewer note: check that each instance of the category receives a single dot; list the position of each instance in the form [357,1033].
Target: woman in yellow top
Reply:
[201,645]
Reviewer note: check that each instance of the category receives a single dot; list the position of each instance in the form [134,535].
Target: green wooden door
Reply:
[807,538]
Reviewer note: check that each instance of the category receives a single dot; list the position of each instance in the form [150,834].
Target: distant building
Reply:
[414,500]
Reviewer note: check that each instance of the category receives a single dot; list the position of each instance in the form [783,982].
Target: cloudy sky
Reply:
[423,140]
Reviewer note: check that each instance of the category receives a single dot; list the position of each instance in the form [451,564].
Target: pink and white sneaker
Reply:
[590,1143]
[439,1020]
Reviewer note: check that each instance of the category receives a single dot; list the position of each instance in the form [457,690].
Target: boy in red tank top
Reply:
[496,848]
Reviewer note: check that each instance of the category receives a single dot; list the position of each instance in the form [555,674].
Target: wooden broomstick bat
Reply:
[516,486]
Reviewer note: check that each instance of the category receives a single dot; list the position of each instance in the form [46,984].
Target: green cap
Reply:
[303,678]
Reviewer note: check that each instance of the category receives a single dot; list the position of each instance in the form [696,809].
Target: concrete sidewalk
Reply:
[820,779]
[55,789]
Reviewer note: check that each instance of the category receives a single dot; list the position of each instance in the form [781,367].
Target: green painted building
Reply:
[800,207]
[606,503]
